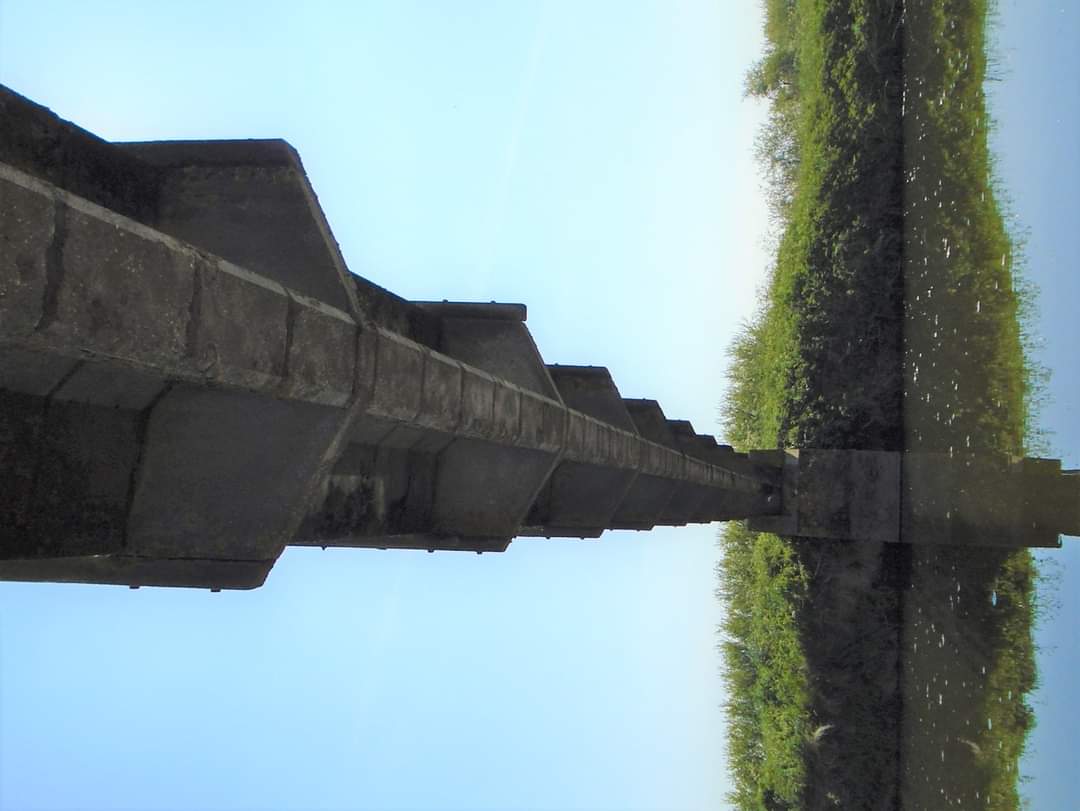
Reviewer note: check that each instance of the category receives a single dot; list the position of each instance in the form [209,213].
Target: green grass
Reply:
[848,314]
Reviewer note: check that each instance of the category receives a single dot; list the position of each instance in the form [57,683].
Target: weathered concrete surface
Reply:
[492,337]
[248,202]
[190,380]
[223,474]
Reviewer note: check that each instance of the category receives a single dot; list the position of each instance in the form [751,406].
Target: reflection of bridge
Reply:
[191,380]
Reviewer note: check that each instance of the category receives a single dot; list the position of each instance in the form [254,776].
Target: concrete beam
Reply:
[250,203]
[590,390]
[493,337]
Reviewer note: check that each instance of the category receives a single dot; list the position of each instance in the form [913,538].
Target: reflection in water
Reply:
[967,661]
[881,676]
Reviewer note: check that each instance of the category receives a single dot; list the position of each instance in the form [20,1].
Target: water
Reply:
[967,666]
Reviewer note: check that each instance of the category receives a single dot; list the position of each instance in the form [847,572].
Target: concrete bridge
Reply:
[191,380]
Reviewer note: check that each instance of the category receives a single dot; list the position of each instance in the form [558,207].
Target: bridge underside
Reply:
[190,380]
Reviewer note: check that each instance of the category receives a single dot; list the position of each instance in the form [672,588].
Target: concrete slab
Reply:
[650,421]
[591,390]
[581,496]
[239,326]
[22,420]
[225,475]
[500,346]
[399,376]
[86,460]
[249,202]
[485,490]
[321,353]
[543,423]
[134,572]
[440,399]
[65,473]
[28,251]
[118,292]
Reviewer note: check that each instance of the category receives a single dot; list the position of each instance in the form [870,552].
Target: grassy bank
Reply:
[890,240]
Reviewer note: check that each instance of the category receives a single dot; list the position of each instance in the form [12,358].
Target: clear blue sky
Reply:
[589,159]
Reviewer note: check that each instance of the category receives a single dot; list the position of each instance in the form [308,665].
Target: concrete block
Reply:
[591,390]
[351,502]
[85,464]
[249,201]
[683,505]
[649,420]
[22,419]
[581,496]
[506,413]
[477,403]
[321,353]
[367,347]
[241,326]
[683,431]
[399,375]
[501,347]
[1054,501]
[29,372]
[652,459]
[485,490]
[28,252]
[440,400]
[644,502]
[543,423]
[118,292]
[592,437]
[226,475]
[379,307]
[727,505]
[126,570]
[626,449]
[576,424]
[64,477]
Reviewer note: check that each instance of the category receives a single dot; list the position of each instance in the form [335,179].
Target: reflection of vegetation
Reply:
[890,320]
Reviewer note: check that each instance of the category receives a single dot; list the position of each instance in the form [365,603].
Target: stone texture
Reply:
[321,355]
[399,375]
[250,203]
[240,327]
[119,293]
[500,346]
[224,474]
[27,232]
